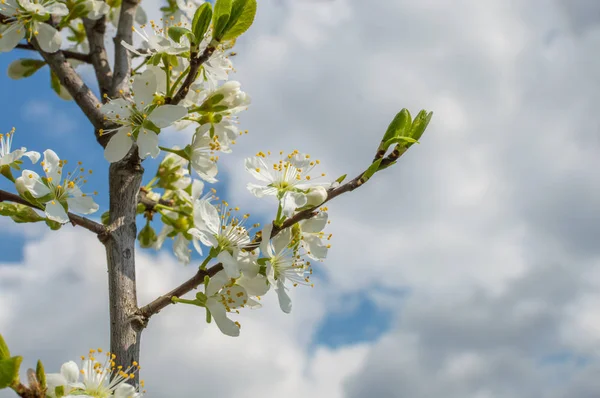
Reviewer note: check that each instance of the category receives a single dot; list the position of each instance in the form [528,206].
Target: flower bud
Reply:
[316,196]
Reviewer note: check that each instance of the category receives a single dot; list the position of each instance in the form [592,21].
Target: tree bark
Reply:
[125,328]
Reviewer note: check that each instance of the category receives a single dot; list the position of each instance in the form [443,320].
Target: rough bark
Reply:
[124,179]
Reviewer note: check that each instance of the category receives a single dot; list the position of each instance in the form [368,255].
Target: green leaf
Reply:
[342,178]
[147,236]
[58,88]
[399,127]
[177,32]
[4,351]
[201,22]
[370,171]
[19,213]
[220,18]
[40,374]
[55,226]
[9,371]
[420,124]
[242,17]
[59,391]
[24,67]
[105,218]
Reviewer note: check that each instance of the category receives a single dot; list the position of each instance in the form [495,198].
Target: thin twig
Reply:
[195,64]
[68,54]
[86,223]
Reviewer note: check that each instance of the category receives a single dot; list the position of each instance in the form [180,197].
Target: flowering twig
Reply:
[195,64]
[163,301]
[86,223]
[68,54]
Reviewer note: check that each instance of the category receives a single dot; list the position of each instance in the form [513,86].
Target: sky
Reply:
[471,269]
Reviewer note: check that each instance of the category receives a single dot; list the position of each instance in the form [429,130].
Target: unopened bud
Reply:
[316,196]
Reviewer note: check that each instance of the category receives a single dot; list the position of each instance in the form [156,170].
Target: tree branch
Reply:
[195,64]
[68,54]
[86,223]
[81,93]
[163,301]
[120,82]
[95,31]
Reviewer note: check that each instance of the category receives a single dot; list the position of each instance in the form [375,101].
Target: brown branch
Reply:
[195,64]
[120,82]
[68,54]
[81,93]
[149,203]
[163,301]
[95,31]
[86,223]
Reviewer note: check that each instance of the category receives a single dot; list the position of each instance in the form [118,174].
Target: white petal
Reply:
[315,224]
[97,9]
[57,8]
[70,371]
[82,204]
[56,212]
[219,314]
[259,169]
[11,37]
[180,248]
[291,201]
[54,380]
[282,240]
[140,16]
[160,239]
[230,265]
[258,286]
[216,283]
[118,146]
[34,184]
[285,303]
[117,106]
[144,87]
[32,155]
[52,166]
[148,144]
[208,215]
[197,188]
[124,391]
[261,191]
[317,249]
[265,247]
[206,237]
[48,37]
[166,115]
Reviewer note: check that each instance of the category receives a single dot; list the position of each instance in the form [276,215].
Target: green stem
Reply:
[140,66]
[151,183]
[183,301]
[168,75]
[185,72]
[278,217]
[205,262]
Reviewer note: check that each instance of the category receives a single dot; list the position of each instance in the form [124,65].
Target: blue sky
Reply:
[470,269]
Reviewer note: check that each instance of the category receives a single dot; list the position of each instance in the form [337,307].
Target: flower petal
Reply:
[160,239]
[181,250]
[285,303]
[70,371]
[216,283]
[11,36]
[317,250]
[265,247]
[34,184]
[166,115]
[82,204]
[282,240]
[119,145]
[230,265]
[291,201]
[56,212]
[219,314]
[315,224]
[48,37]
[148,144]
[52,166]
[144,87]
[32,155]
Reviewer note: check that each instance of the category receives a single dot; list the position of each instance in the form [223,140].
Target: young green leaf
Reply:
[242,17]
[420,124]
[40,373]
[58,88]
[201,22]
[177,32]
[9,371]
[220,18]
[24,67]
[4,351]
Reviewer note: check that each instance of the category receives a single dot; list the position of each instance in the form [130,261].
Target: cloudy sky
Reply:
[471,269]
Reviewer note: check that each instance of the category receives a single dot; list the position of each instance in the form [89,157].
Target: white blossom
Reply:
[8,158]
[59,193]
